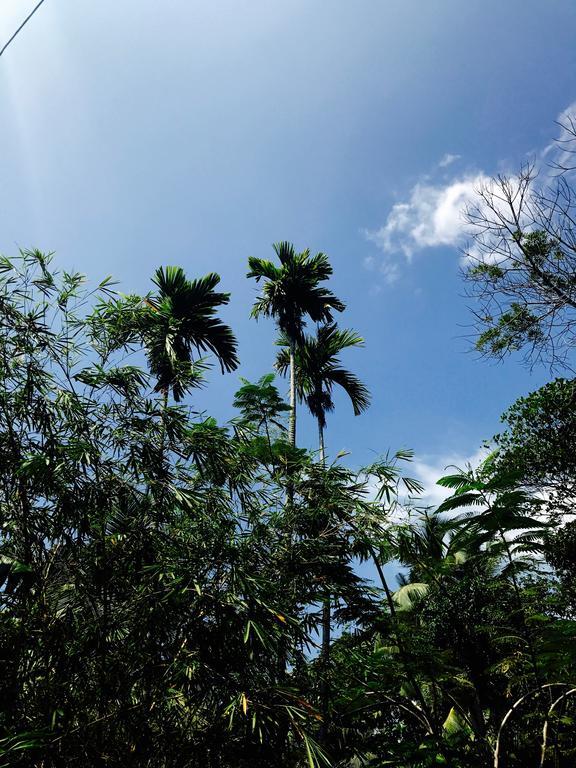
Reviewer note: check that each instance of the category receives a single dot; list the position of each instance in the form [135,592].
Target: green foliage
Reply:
[260,404]
[291,293]
[293,290]
[139,600]
[539,444]
[171,324]
[165,580]
[510,331]
[521,265]
[319,370]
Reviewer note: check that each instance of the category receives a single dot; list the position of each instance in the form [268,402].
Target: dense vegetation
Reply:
[176,592]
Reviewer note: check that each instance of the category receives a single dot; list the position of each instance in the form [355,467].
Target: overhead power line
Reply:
[26,20]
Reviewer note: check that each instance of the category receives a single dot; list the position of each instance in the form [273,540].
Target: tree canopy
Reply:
[520,266]
[179,592]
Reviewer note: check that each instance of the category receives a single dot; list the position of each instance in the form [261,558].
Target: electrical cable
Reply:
[26,20]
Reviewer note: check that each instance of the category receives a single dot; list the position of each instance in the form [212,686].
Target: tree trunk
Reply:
[321,442]
[283,651]
[326,633]
[292,422]
[325,670]
[165,396]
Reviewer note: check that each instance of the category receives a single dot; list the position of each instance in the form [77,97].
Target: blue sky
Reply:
[142,133]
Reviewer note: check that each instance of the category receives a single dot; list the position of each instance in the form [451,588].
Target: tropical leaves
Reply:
[162,595]
[319,371]
[291,293]
[181,318]
[506,511]
[260,404]
[293,290]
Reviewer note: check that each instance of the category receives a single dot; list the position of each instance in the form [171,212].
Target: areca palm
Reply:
[182,318]
[291,292]
[318,371]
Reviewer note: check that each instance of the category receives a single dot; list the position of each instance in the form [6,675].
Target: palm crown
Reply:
[181,318]
[292,290]
[318,370]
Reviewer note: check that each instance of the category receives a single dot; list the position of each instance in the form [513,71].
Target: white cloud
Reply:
[375,289]
[561,151]
[432,217]
[390,272]
[448,159]
[387,268]
[429,469]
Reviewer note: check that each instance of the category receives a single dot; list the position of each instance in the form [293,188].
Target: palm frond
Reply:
[410,594]
[460,500]
[262,268]
[354,388]
[180,318]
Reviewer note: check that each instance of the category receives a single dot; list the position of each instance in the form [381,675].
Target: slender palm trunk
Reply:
[163,427]
[292,422]
[161,446]
[325,669]
[326,633]
[283,651]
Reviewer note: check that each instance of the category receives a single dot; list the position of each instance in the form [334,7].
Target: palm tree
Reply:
[291,292]
[317,370]
[182,318]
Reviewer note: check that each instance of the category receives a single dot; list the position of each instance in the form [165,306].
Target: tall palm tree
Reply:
[179,319]
[317,371]
[291,292]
